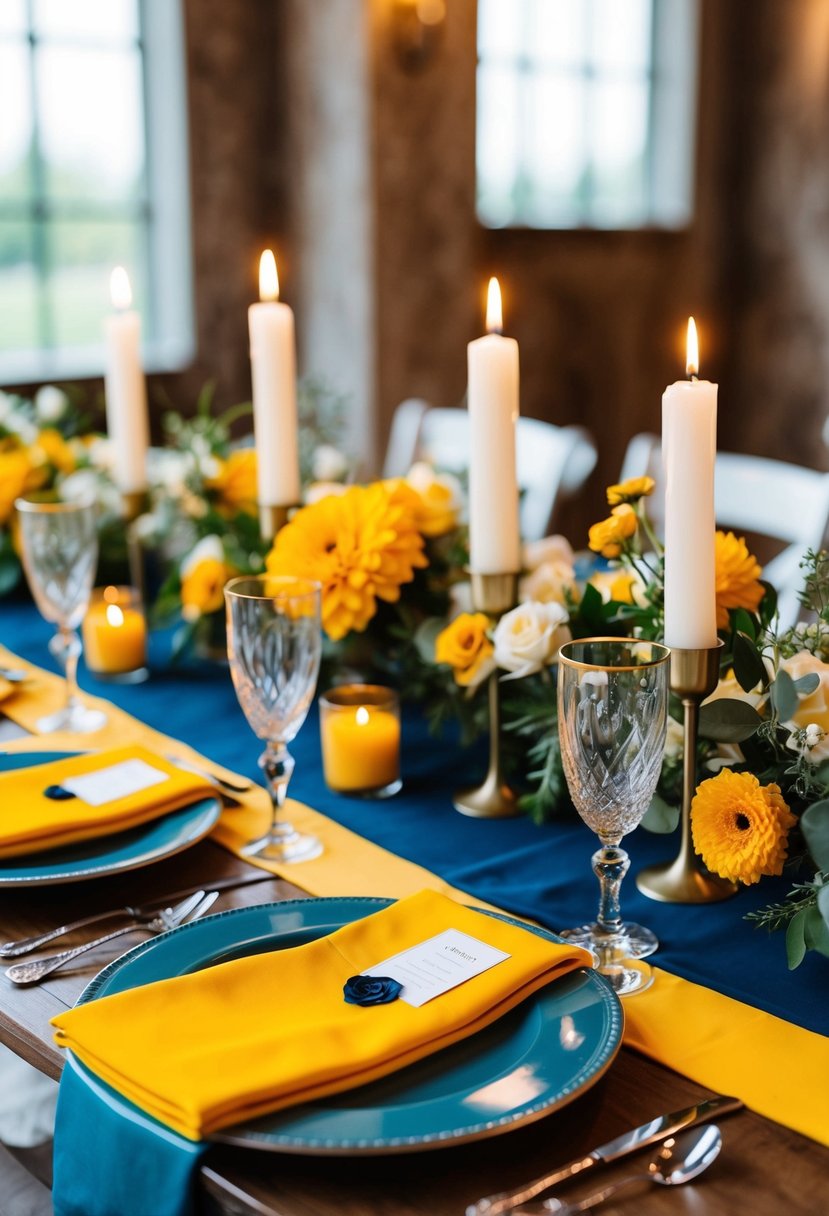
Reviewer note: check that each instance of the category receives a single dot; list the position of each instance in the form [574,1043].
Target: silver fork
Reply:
[168,918]
[138,918]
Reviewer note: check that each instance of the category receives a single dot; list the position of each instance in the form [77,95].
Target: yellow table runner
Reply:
[777,1068]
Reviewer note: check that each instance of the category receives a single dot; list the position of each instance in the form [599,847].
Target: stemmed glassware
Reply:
[274,646]
[60,553]
[612,711]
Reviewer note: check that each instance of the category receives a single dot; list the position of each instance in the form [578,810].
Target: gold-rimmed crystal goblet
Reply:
[274,644]
[59,543]
[612,714]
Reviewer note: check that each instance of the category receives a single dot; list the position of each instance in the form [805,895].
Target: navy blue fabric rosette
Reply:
[371,990]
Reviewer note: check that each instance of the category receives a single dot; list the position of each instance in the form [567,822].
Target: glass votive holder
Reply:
[360,734]
[114,635]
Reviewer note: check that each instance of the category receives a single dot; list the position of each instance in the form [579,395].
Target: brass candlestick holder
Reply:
[133,504]
[273,518]
[493,798]
[694,675]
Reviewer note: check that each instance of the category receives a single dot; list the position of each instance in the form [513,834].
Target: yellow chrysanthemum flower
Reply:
[361,546]
[465,647]
[740,828]
[737,572]
[608,536]
[56,450]
[202,588]
[15,479]
[630,491]
[235,482]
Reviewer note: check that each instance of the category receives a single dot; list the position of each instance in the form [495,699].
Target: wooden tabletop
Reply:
[763,1168]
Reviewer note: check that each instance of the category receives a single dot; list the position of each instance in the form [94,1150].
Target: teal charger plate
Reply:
[533,1061]
[106,855]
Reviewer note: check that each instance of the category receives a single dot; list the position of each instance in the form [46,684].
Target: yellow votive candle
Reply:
[360,734]
[115,632]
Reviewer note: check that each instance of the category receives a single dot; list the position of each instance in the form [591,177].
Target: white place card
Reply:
[437,965]
[116,781]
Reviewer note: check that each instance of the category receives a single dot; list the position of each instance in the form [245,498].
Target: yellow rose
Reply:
[435,499]
[235,481]
[630,491]
[202,589]
[609,535]
[56,451]
[465,647]
[15,479]
[810,724]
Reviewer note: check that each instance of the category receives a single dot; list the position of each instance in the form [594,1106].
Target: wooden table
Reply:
[763,1168]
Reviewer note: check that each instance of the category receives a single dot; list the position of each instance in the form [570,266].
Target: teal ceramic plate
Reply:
[107,854]
[534,1060]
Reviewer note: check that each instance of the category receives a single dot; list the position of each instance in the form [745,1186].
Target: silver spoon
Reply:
[677,1159]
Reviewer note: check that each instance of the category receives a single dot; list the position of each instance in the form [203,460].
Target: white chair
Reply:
[785,502]
[553,462]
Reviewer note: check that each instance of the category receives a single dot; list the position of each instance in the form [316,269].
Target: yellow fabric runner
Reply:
[777,1068]
[255,1035]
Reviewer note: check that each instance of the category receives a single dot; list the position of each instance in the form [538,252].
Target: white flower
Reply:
[549,582]
[550,549]
[809,724]
[208,547]
[328,463]
[322,489]
[101,454]
[529,637]
[170,470]
[51,403]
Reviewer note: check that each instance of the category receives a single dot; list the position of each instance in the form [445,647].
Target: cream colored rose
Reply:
[529,637]
[729,689]
[548,583]
[549,549]
[810,725]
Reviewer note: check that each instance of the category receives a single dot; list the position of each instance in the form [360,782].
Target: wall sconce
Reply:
[417,27]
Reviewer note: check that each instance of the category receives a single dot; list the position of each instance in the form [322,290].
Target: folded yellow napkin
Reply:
[34,815]
[238,1040]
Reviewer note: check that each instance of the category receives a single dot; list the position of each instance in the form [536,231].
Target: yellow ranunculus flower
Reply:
[361,546]
[15,479]
[630,491]
[737,574]
[608,536]
[202,588]
[740,828]
[437,499]
[56,450]
[235,481]
[465,647]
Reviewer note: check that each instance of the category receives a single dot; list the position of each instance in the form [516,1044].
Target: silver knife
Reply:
[629,1142]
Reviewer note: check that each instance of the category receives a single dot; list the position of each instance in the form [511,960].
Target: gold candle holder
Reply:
[133,504]
[273,518]
[694,675]
[493,798]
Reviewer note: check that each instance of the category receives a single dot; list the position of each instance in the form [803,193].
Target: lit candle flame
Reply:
[114,615]
[362,716]
[119,289]
[692,349]
[494,313]
[268,278]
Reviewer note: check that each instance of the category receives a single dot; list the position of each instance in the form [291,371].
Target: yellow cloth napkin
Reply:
[241,1039]
[31,821]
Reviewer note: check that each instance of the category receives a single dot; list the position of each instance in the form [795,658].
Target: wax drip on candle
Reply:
[494,312]
[692,351]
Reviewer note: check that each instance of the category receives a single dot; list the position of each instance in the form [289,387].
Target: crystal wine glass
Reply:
[60,553]
[612,712]
[274,646]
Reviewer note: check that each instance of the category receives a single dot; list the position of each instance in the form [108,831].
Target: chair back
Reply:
[553,462]
[785,502]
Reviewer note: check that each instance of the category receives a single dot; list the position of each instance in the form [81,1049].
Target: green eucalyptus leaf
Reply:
[796,939]
[727,720]
[784,696]
[816,930]
[660,816]
[807,684]
[814,823]
[749,667]
[426,636]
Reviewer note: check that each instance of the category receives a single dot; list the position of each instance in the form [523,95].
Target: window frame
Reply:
[165,211]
